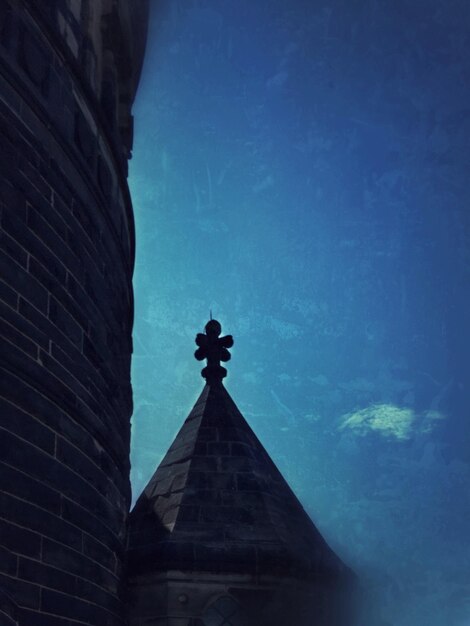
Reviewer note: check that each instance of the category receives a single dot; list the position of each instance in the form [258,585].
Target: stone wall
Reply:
[68,74]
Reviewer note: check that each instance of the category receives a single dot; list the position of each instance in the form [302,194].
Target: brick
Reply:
[51,216]
[19,279]
[96,359]
[10,150]
[233,558]
[206,434]
[8,295]
[29,174]
[84,138]
[218,449]
[35,402]
[204,464]
[77,365]
[72,360]
[62,557]
[105,179]
[24,326]
[68,606]
[11,334]
[44,324]
[20,540]
[92,525]
[95,594]
[73,457]
[38,223]
[5,25]
[13,249]
[25,594]
[24,425]
[34,59]
[65,378]
[40,521]
[59,180]
[53,280]
[65,322]
[8,611]
[28,142]
[33,370]
[12,198]
[226,514]
[241,450]
[100,552]
[87,222]
[8,562]
[20,454]
[236,464]
[177,554]
[17,228]
[25,486]
[35,618]
[82,299]
[249,482]
[102,519]
[45,575]
[114,441]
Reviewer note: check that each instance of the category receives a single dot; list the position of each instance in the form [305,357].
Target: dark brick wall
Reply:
[66,257]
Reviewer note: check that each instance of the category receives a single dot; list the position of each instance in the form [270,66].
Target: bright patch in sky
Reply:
[389,421]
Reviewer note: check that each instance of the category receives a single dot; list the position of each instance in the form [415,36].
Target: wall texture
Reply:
[68,74]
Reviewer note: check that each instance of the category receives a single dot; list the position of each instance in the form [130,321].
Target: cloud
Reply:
[390,421]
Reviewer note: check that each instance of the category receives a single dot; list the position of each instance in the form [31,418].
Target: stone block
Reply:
[20,540]
[25,594]
[63,604]
[8,563]
[6,18]
[33,571]
[218,448]
[34,59]
[15,337]
[17,228]
[8,295]
[84,138]
[62,319]
[91,524]
[16,252]
[18,278]
[36,618]
[91,593]
[61,557]
[29,428]
[102,553]
[16,510]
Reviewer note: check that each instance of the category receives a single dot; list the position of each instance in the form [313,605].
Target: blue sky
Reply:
[301,169]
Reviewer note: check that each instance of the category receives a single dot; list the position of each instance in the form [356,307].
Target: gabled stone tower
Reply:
[219,538]
[69,70]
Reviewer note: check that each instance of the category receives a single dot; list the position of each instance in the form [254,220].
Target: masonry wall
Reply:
[68,74]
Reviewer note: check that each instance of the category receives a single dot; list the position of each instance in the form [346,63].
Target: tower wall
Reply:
[68,74]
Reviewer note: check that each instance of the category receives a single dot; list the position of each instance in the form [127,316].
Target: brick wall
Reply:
[66,257]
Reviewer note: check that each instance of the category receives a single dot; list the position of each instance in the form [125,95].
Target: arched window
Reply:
[225,611]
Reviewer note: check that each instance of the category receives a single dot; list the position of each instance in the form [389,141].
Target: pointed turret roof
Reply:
[217,503]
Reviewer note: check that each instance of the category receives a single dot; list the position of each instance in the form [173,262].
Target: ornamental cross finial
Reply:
[213,348]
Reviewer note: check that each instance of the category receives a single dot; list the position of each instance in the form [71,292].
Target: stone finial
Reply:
[213,348]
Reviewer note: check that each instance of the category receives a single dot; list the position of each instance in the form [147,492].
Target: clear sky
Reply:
[302,169]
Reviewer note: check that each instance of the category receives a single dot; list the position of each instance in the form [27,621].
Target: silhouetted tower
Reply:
[68,74]
[218,538]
